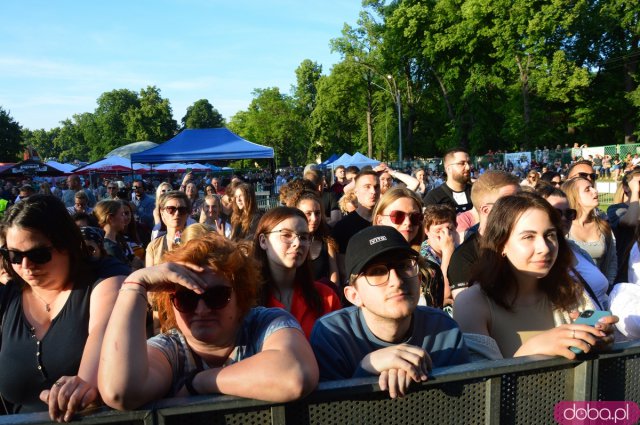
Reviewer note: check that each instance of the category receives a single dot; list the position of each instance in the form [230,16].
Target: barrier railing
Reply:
[513,391]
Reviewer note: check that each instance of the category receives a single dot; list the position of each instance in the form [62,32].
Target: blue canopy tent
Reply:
[328,161]
[211,144]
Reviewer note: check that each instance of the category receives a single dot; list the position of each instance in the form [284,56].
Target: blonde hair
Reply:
[392,195]
[105,209]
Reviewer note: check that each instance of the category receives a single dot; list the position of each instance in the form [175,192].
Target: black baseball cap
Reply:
[370,243]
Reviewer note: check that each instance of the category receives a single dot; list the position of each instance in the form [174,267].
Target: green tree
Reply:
[111,117]
[202,115]
[153,120]
[70,142]
[271,120]
[42,141]
[10,138]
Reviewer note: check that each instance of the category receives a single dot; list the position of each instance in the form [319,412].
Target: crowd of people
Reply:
[185,288]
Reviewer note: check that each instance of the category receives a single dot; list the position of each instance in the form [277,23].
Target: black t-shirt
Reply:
[329,203]
[462,260]
[351,224]
[444,195]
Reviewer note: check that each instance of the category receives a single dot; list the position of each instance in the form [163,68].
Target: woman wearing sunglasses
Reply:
[523,296]
[401,209]
[174,211]
[281,245]
[214,341]
[589,230]
[54,311]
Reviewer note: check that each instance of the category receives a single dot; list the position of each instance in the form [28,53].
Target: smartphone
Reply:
[589,317]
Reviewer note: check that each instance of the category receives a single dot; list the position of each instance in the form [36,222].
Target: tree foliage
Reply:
[10,138]
[202,115]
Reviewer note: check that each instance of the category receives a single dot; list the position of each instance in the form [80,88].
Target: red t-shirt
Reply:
[303,313]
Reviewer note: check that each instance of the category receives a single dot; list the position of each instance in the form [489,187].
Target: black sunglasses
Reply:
[397,217]
[172,210]
[215,298]
[36,255]
[592,176]
[570,214]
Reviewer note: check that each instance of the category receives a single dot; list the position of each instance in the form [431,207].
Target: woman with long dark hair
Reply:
[281,244]
[323,249]
[54,311]
[522,297]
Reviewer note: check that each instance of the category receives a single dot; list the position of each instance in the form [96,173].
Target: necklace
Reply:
[47,306]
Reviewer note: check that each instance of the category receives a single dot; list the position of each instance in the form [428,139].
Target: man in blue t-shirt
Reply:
[385,333]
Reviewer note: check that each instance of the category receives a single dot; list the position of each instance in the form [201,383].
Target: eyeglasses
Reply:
[138,187]
[461,163]
[590,176]
[378,274]
[215,298]
[36,255]
[556,183]
[171,210]
[288,236]
[398,217]
[570,214]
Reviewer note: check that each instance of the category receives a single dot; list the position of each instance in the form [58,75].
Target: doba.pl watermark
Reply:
[596,412]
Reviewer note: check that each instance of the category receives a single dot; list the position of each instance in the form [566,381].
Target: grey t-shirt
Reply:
[257,326]
[340,340]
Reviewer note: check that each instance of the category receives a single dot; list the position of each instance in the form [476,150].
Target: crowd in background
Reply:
[135,291]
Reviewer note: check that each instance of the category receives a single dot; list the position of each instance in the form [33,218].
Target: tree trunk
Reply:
[524,86]
[630,68]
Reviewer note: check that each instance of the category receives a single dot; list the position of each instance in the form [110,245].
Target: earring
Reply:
[504,254]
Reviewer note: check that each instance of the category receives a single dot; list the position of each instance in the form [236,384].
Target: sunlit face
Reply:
[118,221]
[532,247]
[127,215]
[420,175]
[587,195]
[397,299]
[312,210]
[436,232]
[176,220]
[281,254]
[239,198]
[191,190]
[406,205]
[214,183]
[80,205]
[386,181]
[339,173]
[581,169]
[459,168]
[211,208]
[205,325]
[49,275]
[367,191]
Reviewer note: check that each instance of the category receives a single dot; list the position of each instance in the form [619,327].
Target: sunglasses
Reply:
[591,176]
[215,298]
[171,210]
[398,217]
[36,255]
[570,214]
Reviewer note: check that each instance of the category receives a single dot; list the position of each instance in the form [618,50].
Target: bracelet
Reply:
[137,292]
[144,285]
[188,383]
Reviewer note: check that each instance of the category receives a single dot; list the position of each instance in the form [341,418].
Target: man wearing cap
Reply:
[385,332]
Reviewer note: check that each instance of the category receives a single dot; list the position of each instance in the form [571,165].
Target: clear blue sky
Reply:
[58,56]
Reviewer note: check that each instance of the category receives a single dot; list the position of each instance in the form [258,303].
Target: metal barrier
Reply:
[513,391]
